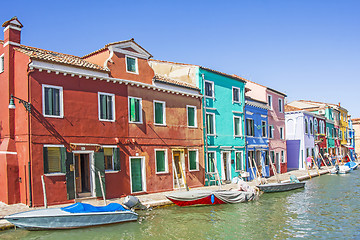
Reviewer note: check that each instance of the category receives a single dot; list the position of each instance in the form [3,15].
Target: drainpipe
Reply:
[29,141]
[204,115]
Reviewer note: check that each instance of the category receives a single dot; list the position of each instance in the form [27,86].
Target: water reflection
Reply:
[327,208]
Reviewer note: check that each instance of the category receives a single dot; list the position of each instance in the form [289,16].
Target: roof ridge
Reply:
[162,78]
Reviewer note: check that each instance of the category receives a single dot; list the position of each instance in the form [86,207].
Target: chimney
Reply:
[12,32]
[339,104]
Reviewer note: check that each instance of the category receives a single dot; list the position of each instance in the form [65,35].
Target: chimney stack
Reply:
[12,32]
[339,104]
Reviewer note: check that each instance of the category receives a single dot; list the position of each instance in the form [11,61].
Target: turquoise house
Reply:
[223,116]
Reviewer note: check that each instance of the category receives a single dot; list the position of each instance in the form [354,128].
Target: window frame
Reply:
[311,127]
[54,173]
[271,131]
[136,64]
[113,106]
[242,167]
[239,95]
[263,127]
[270,103]
[61,101]
[164,112]
[281,105]
[207,124]
[282,135]
[197,160]
[2,63]
[212,89]
[140,110]
[253,127]
[195,116]
[165,158]
[306,126]
[207,159]
[240,128]
[282,156]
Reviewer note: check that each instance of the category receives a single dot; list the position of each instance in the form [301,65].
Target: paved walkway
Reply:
[155,199]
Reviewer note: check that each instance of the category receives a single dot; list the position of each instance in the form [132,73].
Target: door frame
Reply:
[228,165]
[92,170]
[143,173]
[182,161]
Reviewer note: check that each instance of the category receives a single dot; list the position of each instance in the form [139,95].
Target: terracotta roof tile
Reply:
[50,56]
[289,108]
[160,78]
[209,69]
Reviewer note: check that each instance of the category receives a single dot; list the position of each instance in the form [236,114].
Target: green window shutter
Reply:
[63,159]
[237,126]
[116,157]
[132,109]
[238,160]
[160,161]
[45,154]
[192,160]
[136,175]
[70,180]
[211,160]
[103,107]
[210,124]
[191,117]
[99,167]
[159,113]
[137,110]
[47,99]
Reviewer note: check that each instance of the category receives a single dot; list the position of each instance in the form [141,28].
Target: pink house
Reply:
[276,121]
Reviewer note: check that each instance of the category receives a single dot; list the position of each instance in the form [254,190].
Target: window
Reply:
[2,67]
[210,162]
[239,161]
[112,159]
[237,127]
[131,64]
[282,133]
[106,106]
[306,126]
[281,108]
[161,161]
[54,159]
[272,156]
[271,131]
[191,116]
[270,101]
[333,133]
[340,135]
[311,127]
[316,126]
[263,128]
[210,123]
[52,101]
[159,113]
[327,131]
[250,127]
[236,95]
[135,110]
[193,160]
[282,156]
[209,89]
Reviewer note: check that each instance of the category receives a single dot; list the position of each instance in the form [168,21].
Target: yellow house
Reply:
[343,126]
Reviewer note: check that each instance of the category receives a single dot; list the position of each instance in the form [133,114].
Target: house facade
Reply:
[257,146]
[299,137]
[223,115]
[356,127]
[102,119]
[320,135]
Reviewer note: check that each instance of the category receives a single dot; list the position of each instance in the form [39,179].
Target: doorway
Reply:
[83,183]
[226,164]
[178,169]
[137,174]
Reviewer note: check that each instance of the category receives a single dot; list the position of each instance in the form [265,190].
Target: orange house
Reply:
[103,119]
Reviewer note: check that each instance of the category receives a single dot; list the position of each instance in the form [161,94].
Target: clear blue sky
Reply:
[309,49]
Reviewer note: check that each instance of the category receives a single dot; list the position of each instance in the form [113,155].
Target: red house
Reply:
[320,134]
[102,116]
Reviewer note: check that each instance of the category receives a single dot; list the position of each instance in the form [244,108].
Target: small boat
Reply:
[209,197]
[77,215]
[340,169]
[280,187]
[352,165]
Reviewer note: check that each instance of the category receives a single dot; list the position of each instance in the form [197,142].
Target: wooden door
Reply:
[136,175]
[78,186]
[177,162]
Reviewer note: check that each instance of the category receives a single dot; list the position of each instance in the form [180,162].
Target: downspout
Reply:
[29,140]
[204,116]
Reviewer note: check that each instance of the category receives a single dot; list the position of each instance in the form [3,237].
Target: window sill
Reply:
[162,173]
[53,116]
[54,174]
[192,126]
[160,125]
[213,98]
[137,73]
[112,171]
[136,122]
[196,170]
[106,120]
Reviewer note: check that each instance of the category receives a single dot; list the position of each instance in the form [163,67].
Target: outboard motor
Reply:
[337,168]
[133,202]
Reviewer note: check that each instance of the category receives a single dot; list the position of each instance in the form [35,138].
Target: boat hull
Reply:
[57,219]
[280,187]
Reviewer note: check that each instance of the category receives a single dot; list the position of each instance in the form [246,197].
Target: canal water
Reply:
[327,208]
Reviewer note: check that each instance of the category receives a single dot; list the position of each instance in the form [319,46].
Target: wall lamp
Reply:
[26,104]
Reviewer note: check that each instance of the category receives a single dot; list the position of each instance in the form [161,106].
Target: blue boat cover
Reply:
[351,164]
[86,208]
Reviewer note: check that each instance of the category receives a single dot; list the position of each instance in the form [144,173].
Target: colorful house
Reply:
[330,136]
[351,140]
[320,135]
[300,138]
[223,113]
[356,127]
[276,121]
[257,147]
[102,119]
